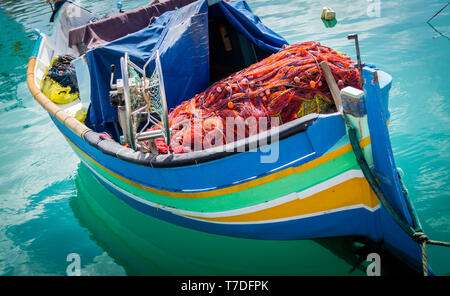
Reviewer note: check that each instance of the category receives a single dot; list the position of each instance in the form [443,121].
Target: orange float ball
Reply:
[312,84]
[230,105]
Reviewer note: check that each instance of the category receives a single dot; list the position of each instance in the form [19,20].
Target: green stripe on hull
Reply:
[245,198]
[144,245]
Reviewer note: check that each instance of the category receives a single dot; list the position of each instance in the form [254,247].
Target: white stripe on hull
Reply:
[348,175]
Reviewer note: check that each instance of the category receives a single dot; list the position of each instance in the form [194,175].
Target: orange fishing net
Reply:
[287,85]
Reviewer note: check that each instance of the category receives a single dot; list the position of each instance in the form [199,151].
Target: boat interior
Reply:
[229,52]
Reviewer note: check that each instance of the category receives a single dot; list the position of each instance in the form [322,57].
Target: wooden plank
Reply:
[335,92]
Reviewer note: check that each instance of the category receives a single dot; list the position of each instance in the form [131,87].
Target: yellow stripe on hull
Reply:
[352,192]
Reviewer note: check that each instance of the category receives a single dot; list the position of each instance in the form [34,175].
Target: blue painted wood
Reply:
[322,135]
[384,164]
[300,228]
[292,151]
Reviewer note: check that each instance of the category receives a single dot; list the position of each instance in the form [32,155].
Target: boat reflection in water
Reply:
[147,246]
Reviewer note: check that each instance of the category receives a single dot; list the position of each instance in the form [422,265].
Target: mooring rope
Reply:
[438,12]
[422,238]
[417,235]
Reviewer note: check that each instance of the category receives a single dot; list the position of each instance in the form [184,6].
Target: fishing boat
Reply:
[333,175]
[143,245]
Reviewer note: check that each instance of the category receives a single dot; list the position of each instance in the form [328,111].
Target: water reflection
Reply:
[147,246]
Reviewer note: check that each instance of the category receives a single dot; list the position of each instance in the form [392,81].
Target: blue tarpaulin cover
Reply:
[181,36]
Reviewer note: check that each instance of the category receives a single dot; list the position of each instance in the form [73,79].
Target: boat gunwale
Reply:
[65,118]
[115,149]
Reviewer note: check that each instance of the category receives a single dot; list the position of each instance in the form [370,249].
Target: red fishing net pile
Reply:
[286,85]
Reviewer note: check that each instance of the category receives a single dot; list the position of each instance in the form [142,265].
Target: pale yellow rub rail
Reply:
[66,119]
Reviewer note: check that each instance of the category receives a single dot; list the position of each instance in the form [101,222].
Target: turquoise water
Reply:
[43,187]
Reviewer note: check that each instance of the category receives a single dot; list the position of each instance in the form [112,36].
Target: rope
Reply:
[432,27]
[424,259]
[438,12]
[422,238]
[373,183]
[417,235]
